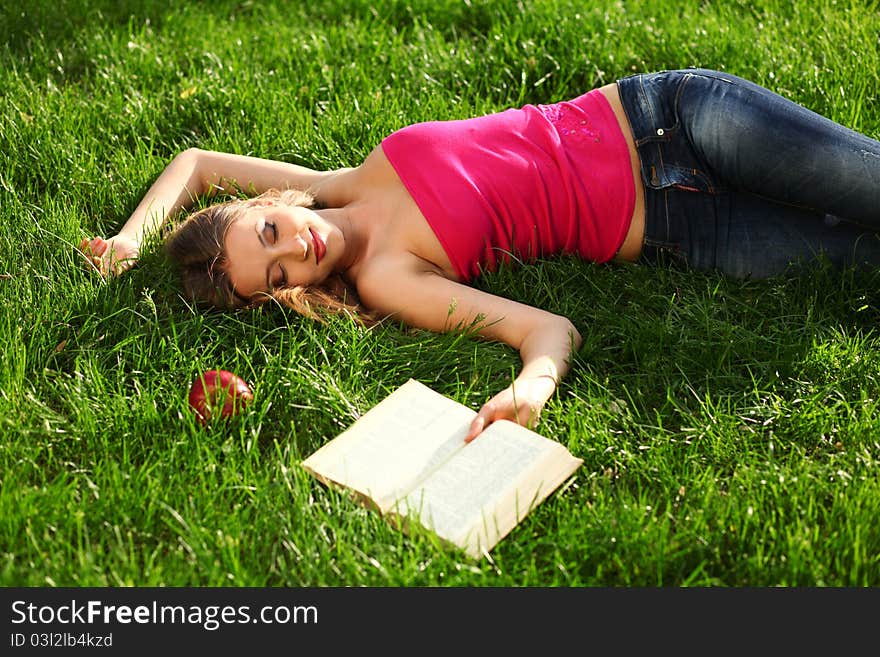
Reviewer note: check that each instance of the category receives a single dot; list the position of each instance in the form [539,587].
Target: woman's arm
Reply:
[197,172]
[546,354]
[428,300]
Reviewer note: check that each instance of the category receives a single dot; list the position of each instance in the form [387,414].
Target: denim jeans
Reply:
[739,179]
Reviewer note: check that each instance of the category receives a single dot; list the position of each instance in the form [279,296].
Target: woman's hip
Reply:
[631,248]
[706,131]
[724,160]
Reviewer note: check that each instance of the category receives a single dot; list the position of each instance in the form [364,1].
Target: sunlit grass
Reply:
[729,429]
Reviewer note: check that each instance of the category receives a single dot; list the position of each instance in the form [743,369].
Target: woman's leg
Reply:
[739,179]
[747,236]
[759,142]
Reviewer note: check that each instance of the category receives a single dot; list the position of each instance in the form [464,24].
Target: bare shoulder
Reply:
[386,279]
[376,168]
[355,184]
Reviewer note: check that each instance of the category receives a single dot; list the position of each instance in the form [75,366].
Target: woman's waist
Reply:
[631,248]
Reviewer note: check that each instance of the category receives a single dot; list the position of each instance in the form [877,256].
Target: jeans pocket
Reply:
[669,159]
[662,175]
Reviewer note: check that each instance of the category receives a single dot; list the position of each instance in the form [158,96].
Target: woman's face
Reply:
[275,245]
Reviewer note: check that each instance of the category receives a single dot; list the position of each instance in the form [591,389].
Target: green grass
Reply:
[729,430]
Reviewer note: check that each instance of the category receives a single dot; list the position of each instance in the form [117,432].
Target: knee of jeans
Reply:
[712,73]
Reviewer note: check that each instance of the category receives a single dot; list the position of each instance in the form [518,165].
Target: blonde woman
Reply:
[700,165]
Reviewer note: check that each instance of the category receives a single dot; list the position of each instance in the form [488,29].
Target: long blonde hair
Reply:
[197,246]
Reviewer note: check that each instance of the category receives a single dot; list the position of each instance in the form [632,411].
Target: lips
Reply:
[320,247]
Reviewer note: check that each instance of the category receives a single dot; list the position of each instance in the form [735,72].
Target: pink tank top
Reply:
[526,183]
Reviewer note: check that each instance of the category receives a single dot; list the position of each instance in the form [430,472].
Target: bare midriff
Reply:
[631,248]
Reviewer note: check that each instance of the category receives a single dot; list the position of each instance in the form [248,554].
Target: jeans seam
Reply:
[647,102]
[666,213]
[706,178]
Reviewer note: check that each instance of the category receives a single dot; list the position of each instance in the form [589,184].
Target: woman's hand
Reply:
[520,402]
[110,257]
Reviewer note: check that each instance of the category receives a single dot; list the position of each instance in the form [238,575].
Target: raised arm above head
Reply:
[230,172]
[196,172]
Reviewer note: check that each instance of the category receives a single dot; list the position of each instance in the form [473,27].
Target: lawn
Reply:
[730,430]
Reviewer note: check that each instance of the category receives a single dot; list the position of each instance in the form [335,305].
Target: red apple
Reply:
[218,392]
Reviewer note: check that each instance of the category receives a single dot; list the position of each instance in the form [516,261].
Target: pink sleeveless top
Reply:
[525,183]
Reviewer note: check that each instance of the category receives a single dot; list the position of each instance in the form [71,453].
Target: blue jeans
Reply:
[739,179]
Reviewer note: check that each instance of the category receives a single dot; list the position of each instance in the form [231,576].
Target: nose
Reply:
[297,247]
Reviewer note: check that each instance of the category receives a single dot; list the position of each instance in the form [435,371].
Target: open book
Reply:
[407,457]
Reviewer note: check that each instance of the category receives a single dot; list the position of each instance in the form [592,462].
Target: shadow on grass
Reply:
[63,21]
[663,340]
[661,348]
[60,22]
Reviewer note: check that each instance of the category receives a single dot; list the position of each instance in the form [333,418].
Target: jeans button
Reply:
[660,132]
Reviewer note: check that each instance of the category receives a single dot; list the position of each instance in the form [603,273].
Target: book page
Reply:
[395,444]
[485,489]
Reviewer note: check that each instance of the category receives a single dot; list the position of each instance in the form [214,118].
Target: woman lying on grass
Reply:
[702,165]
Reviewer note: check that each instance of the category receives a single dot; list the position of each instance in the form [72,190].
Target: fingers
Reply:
[95,250]
[487,415]
[477,426]
[506,405]
[95,246]
[85,247]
